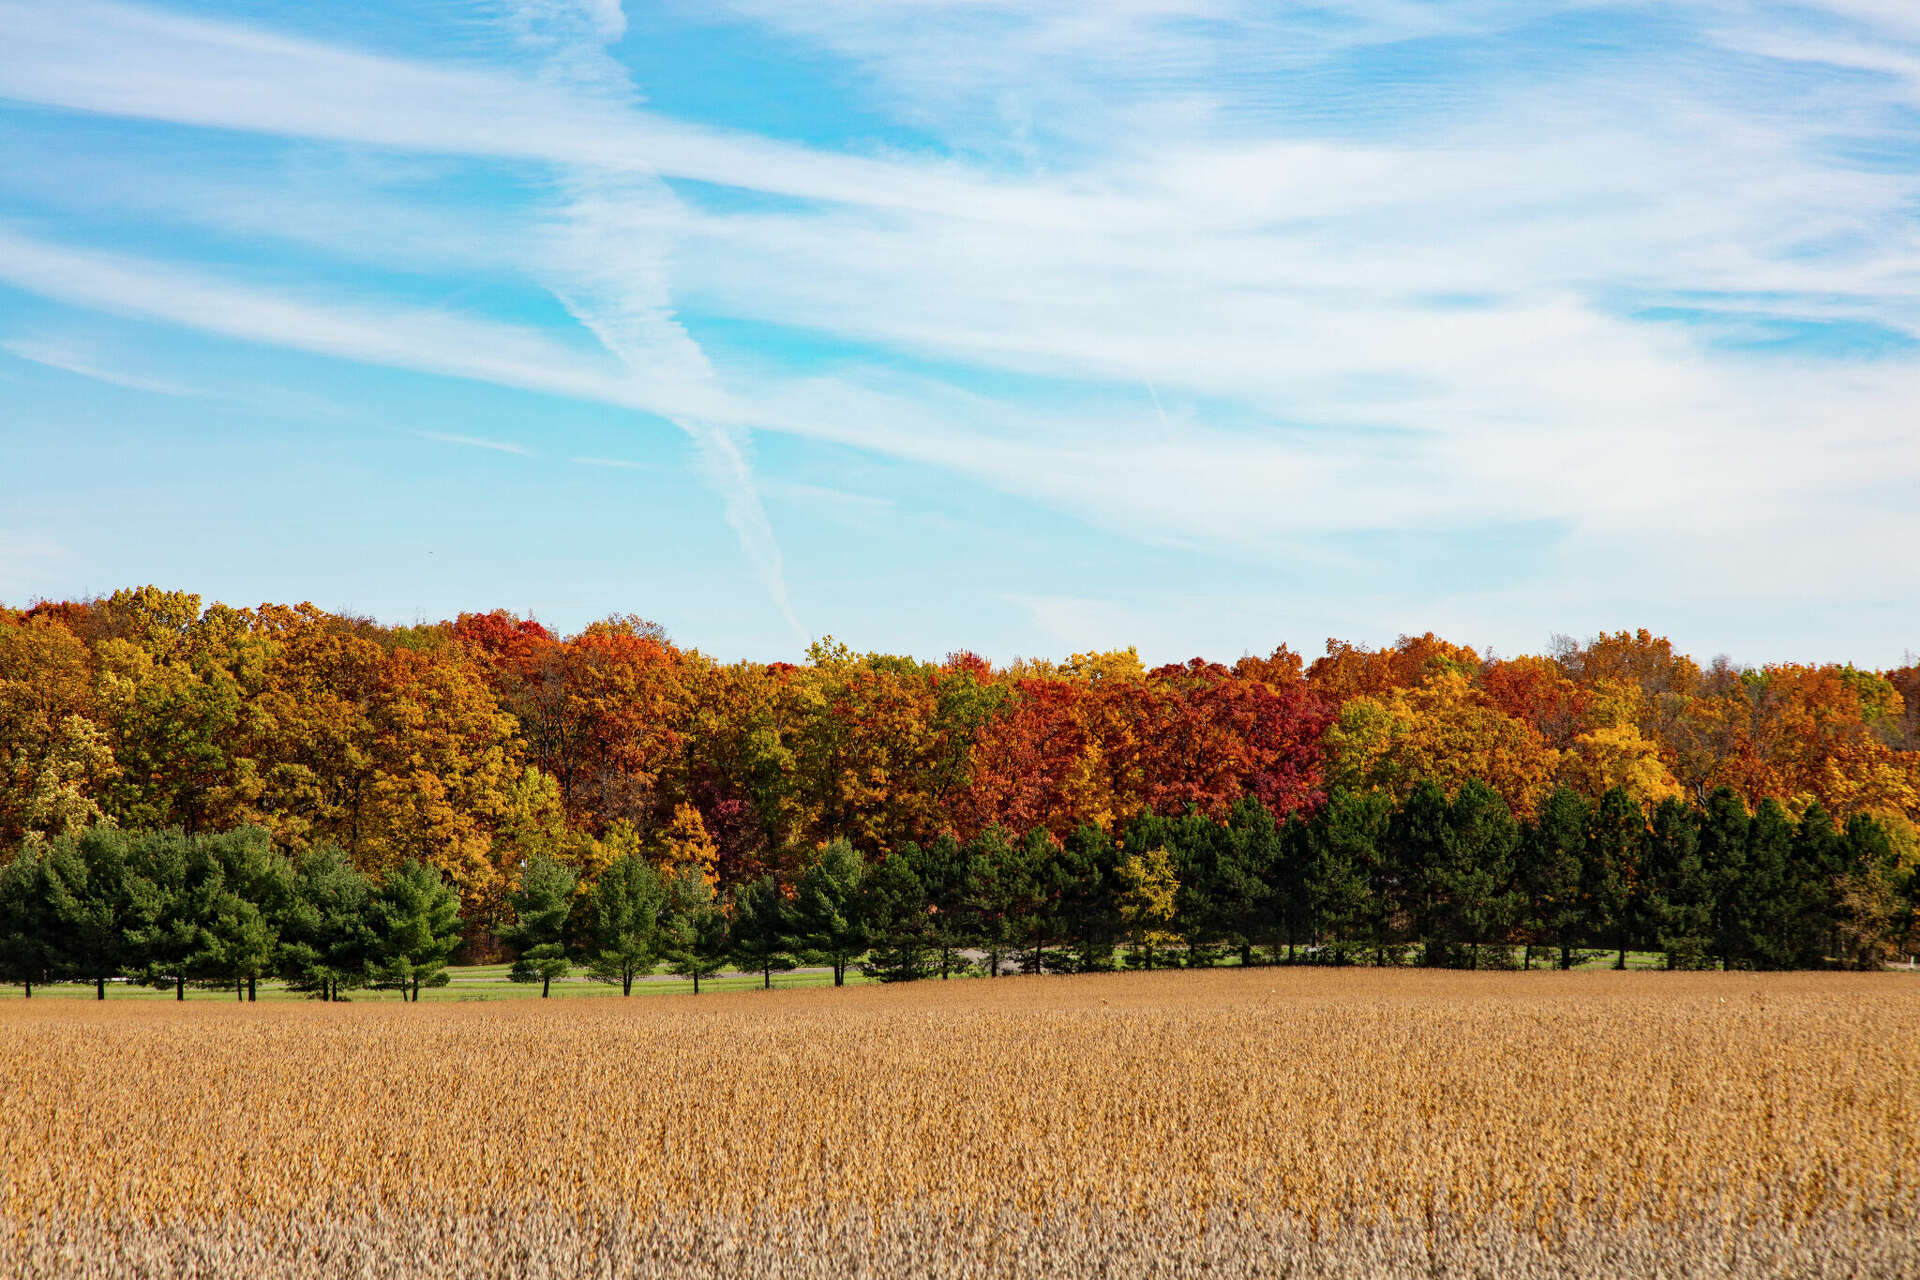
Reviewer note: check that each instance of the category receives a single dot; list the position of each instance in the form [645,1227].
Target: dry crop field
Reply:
[1227,1123]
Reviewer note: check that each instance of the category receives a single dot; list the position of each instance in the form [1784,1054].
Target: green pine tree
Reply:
[29,931]
[694,927]
[1763,911]
[1816,875]
[542,903]
[326,928]
[1723,861]
[893,907]
[1477,875]
[87,889]
[763,930]
[1419,844]
[1616,834]
[827,909]
[1547,871]
[1346,850]
[166,887]
[1679,896]
[246,887]
[1088,908]
[416,927]
[622,928]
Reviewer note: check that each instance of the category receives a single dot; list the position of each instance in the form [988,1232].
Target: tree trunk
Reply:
[1246,955]
[766,976]
[626,984]
[1566,954]
[839,974]
[239,991]
[253,988]
[179,988]
[99,988]
[416,991]
[1621,963]
[28,984]
[545,983]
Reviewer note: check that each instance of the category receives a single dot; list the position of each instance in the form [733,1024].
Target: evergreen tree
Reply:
[894,909]
[249,886]
[1203,908]
[1616,834]
[87,889]
[1816,872]
[1723,861]
[1347,842]
[166,889]
[1475,877]
[326,929]
[1679,897]
[1761,911]
[1289,913]
[694,938]
[542,904]
[416,926]
[945,870]
[992,891]
[622,922]
[29,932]
[763,930]
[1088,908]
[827,908]
[1419,842]
[205,909]
[1031,885]
[237,943]
[1246,872]
[1548,860]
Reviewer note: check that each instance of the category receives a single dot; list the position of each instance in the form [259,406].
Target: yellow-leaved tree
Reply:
[1612,751]
[1447,730]
[684,843]
[1148,891]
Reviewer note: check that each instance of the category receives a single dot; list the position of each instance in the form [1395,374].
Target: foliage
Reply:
[542,905]
[415,919]
[620,933]
[828,911]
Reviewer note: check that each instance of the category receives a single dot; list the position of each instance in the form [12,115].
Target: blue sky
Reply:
[1026,327]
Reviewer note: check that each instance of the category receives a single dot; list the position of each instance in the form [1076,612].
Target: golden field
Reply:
[1235,1122]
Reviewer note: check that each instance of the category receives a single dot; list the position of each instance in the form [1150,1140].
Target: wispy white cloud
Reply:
[820,494]
[130,61]
[621,464]
[67,359]
[476,442]
[1422,329]
[606,260]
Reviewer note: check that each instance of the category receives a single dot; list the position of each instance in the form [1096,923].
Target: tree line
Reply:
[476,745]
[1440,880]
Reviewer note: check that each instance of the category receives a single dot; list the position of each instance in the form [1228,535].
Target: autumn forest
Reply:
[474,745]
